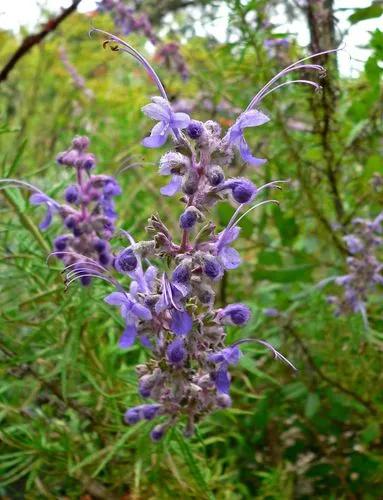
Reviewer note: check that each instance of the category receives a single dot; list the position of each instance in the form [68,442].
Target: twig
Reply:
[31,40]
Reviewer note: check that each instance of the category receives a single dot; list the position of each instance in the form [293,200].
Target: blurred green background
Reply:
[65,383]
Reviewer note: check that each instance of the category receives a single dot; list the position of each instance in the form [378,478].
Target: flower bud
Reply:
[195,129]
[72,194]
[236,314]
[99,245]
[158,432]
[126,261]
[190,182]
[215,175]
[212,268]
[132,416]
[61,242]
[188,218]
[181,274]
[80,142]
[150,411]
[223,400]
[243,190]
[176,352]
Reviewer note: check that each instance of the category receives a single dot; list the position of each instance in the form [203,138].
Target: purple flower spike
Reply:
[169,121]
[235,135]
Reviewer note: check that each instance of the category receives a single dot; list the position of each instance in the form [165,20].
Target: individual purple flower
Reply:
[132,416]
[126,261]
[235,135]
[132,311]
[169,122]
[51,208]
[224,358]
[176,352]
[235,314]
[228,256]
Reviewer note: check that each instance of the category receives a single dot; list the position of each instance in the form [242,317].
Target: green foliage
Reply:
[65,383]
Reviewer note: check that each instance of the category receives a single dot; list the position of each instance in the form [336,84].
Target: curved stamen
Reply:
[140,58]
[307,82]
[277,354]
[292,67]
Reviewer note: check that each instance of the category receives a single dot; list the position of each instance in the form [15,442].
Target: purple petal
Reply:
[173,186]
[222,380]
[231,355]
[38,198]
[116,299]
[247,156]
[252,118]
[128,336]
[146,342]
[181,323]
[160,112]
[180,120]
[158,136]
[150,276]
[141,311]
[228,236]
[230,258]
[46,222]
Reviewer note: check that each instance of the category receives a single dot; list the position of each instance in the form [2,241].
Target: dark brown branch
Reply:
[31,40]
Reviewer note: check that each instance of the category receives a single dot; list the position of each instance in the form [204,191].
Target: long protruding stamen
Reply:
[276,202]
[292,67]
[140,58]
[277,354]
[306,82]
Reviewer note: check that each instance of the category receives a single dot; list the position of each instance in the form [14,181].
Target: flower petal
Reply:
[128,336]
[222,379]
[180,120]
[252,118]
[247,156]
[47,221]
[181,323]
[158,136]
[230,258]
[160,112]
[116,299]
[141,311]
[173,186]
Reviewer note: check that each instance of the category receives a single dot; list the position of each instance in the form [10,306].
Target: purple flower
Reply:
[188,219]
[169,122]
[228,256]
[224,358]
[252,118]
[176,352]
[132,311]
[132,416]
[236,314]
[51,206]
[126,261]
[242,190]
[181,323]
[195,129]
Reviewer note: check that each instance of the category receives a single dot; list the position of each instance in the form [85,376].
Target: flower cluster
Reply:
[169,306]
[88,215]
[364,267]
